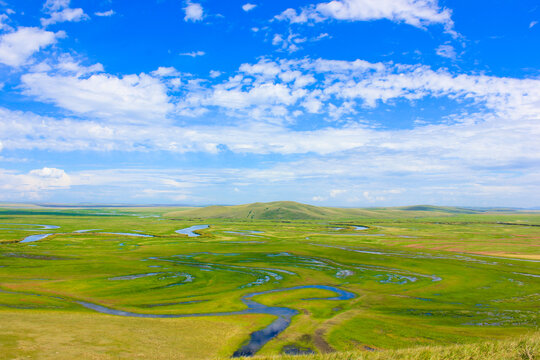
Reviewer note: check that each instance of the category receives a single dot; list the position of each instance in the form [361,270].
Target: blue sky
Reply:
[340,103]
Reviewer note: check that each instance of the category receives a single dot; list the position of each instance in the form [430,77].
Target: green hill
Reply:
[277,210]
[290,210]
[453,210]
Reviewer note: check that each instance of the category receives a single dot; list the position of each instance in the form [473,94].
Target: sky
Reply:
[354,103]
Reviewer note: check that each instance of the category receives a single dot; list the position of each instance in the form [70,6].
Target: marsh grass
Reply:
[476,299]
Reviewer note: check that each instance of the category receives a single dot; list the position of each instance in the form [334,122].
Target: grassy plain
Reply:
[520,348]
[423,277]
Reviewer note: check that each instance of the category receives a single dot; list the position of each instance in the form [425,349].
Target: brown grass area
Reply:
[452,248]
[62,335]
[510,255]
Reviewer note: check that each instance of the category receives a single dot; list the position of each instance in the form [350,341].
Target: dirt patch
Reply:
[320,342]
[319,336]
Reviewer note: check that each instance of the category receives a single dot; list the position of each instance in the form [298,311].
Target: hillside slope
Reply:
[290,210]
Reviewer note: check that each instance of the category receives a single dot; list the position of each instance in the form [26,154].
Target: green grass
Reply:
[486,291]
[521,348]
[290,210]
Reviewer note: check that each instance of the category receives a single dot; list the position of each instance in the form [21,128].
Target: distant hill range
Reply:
[290,210]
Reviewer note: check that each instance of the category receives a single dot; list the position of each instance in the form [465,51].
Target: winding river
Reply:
[33,238]
[258,338]
[190,230]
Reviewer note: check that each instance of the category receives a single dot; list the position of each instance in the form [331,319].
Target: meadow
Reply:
[365,282]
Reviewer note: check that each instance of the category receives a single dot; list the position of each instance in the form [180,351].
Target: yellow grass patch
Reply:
[62,335]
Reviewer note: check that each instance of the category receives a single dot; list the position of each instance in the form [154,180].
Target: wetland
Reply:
[300,287]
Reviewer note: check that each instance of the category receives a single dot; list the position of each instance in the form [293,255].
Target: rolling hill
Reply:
[290,210]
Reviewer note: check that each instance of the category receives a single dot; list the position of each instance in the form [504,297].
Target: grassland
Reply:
[520,348]
[425,278]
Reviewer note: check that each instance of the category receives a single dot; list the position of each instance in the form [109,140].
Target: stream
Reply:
[257,338]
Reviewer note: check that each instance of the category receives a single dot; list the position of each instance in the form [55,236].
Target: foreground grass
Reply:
[72,335]
[522,348]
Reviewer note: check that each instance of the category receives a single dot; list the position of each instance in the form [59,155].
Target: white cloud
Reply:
[32,185]
[532,24]
[105,13]
[66,64]
[131,98]
[194,11]
[60,11]
[74,15]
[55,5]
[494,136]
[418,13]
[214,74]
[473,160]
[313,106]
[265,94]
[322,36]
[164,71]
[248,7]
[336,192]
[289,43]
[194,53]
[446,51]
[3,25]
[58,177]
[17,47]
[339,89]
[277,39]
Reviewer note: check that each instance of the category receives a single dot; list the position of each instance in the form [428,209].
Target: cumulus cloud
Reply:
[89,92]
[17,47]
[248,7]
[32,185]
[59,11]
[273,91]
[418,13]
[194,11]
[65,15]
[164,71]
[53,177]
[352,85]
